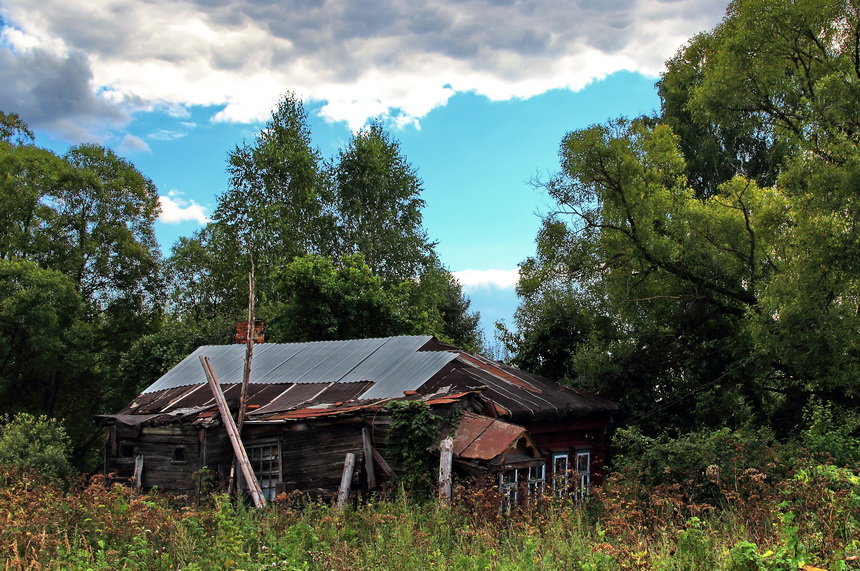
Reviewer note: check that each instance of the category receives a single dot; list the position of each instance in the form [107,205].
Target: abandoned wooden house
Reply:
[310,404]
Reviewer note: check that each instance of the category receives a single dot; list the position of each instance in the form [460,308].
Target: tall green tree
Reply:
[378,205]
[276,206]
[709,255]
[285,204]
[80,276]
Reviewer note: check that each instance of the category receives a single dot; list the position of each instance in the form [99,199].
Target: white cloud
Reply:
[503,279]
[175,209]
[360,58]
[166,135]
[131,144]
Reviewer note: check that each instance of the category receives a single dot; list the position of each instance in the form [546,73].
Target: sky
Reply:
[478,92]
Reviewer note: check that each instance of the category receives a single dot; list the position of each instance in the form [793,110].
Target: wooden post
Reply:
[138,471]
[446,456]
[233,433]
[367,448]
[345,480]
[249,352]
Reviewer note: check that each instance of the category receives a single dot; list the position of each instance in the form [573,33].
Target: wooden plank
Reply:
[235,439]
[367,448]
[345,480]
[446,456]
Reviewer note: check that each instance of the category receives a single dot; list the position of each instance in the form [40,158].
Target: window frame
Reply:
[269,478]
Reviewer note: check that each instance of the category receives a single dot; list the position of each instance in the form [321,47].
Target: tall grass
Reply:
[810,518]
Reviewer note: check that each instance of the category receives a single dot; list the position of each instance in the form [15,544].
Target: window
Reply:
[265,459]
[126,450]
[537,478]
[508,487]
[583,474]
[560,472]
[179,454]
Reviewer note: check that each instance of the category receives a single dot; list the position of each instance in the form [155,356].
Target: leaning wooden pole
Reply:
[233,433]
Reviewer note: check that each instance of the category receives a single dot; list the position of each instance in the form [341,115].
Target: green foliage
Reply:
[13,129]
[705,260]
[832,433]
[700,462]
[378,205]
[412,438]
[80,277]
[346,233]
[35,443]
[322,300]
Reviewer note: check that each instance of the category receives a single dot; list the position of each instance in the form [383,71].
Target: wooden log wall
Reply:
[171,456]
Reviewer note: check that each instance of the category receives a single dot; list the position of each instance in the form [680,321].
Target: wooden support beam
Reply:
[383,464]
[345,480]
[446,457]
[367,448]
[233,433]
[138,471]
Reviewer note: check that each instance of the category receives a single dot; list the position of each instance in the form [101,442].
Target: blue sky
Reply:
[478,92]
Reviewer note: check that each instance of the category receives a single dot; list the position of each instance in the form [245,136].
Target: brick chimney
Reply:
[242,331]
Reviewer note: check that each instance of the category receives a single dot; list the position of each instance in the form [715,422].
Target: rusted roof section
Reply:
[484,438]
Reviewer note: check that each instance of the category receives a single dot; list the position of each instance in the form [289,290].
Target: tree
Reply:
[38,310]
[276,206]
[283,206]
[325,300]
[14,130]
[81,280]
[709,254]
[378,206]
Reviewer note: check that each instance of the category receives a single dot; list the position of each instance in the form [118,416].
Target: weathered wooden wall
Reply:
[163,466]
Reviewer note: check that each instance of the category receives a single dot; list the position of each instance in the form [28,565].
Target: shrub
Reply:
[832,433]
[703,463]
[36,443]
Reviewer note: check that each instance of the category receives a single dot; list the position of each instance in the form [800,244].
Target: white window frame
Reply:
[536,479]
[560,472]
[582,469]
[509,487]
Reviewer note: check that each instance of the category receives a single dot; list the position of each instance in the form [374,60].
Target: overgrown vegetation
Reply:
[811,517]
[412,440]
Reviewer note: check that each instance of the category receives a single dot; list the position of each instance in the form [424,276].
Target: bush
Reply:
[36,443]
[703,463]
[832,433]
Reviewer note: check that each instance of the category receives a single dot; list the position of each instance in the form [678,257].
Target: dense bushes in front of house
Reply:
[755,519]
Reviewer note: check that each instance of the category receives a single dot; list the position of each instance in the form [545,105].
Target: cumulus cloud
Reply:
[359,58]
[502,279]
[176,209]
[131,145]
[52,88]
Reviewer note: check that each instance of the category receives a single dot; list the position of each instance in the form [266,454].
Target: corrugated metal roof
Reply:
[393,364]
[408,374]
